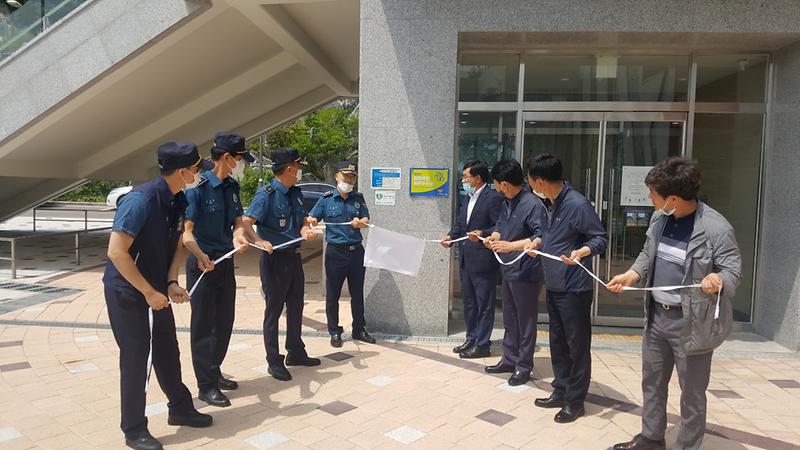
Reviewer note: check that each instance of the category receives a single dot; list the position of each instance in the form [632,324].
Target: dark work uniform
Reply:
[214,206]
[571,224]
[477,265]
[153,216]
[344,257]
[279,215]
[520,218]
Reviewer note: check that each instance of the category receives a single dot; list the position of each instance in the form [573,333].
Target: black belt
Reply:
[215,255]
[347,247]
[666,307]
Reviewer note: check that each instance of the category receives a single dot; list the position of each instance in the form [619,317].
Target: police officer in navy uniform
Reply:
[214,211]
[144,256]
[344,257]
[277,210]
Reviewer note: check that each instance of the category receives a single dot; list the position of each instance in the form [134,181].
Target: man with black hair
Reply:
[213,216]
[687,243]
[572,228]
[477,217]
[518,227]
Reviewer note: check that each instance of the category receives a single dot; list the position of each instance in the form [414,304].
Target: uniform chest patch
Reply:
[282,223]
[235,198]
[358,205]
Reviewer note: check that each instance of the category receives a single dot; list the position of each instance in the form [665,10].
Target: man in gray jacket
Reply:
[688,243]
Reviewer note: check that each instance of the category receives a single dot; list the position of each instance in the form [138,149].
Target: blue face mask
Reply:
[468,188]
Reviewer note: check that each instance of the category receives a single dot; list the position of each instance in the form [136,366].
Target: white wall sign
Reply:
[384,198]
[634,192]
[385,178]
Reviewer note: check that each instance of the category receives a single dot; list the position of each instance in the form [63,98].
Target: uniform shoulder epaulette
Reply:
[269,189]
[358,194]
[327,194]
[202,180]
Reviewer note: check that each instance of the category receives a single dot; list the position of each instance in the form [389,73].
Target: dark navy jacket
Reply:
[571,224]
[474,256]
[153,216]
[521,218]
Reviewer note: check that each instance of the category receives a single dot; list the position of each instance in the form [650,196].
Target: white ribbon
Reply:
[556,258]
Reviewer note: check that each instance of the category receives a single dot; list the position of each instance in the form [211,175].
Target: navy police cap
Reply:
[285,156]
[179,154]
[347,168]
[232,143]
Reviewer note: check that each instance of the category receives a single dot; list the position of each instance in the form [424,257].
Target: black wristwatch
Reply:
[171,282]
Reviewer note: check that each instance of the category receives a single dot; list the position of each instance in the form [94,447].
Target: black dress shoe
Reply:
[640,442]
[499,368]
[462,347]
[301,360]
[519,378]
[474,352]
[363,336]
[227,385]
[279,372]
[569,413]
[336,340]
[550,402]
[214,397]
[194,419]
[144,442]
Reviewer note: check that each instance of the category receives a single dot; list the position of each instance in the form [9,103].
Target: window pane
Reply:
[731,78]
[728,147]
[489,137]
[606,78]
[488,78]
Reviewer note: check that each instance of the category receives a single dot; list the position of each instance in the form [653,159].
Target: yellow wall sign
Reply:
[430,182]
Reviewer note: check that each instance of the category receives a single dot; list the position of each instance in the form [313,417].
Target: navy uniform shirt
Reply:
[153,216]
[214,206]
[278,212]
[521,218]
[571,224]
[333,208]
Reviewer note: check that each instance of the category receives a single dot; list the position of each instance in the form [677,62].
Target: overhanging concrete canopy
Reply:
[242,65]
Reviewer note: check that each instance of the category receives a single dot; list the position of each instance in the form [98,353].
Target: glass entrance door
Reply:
[605,157]
[632,144]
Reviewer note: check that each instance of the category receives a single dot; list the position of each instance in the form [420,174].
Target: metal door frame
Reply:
[602,118]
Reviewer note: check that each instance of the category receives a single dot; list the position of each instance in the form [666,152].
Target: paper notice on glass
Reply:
[393,251]
[634,192]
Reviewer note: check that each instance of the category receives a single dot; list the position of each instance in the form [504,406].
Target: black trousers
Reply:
[213,313]
[570,343]
[520,314]
[343,264]
[478,292]
[128,314]
[282,280]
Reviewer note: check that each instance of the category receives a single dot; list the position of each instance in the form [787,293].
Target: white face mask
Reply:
[663,211]
[539,194]
[195,180]
[344,187]
[237,171]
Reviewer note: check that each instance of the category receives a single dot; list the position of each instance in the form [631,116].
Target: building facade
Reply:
[612,87]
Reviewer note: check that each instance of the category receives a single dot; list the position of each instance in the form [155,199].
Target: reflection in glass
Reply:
[488,78]
[632,148]
[731,78]
[606,78]
[488,136]
[575,143]
[728,147]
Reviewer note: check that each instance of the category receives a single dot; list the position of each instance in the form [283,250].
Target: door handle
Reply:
[610,231]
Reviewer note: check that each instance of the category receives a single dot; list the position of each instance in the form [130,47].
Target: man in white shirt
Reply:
[478,267]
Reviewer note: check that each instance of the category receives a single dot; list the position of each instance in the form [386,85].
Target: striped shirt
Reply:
[671,257]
